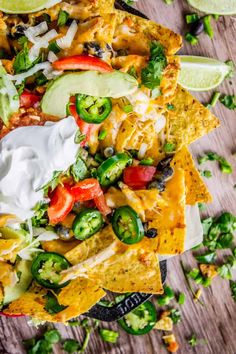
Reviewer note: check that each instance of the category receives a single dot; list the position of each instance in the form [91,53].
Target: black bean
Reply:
[122,52]
[151,233]
[164,162]
[63,232]
[197,27]
[167,172]
[109,151]
[158,184]
[94,49]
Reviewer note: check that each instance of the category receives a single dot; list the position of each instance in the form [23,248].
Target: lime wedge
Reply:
[217,7]
[25,6]
[200,73]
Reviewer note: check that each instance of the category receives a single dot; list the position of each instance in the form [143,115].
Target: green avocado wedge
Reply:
[9,98]
[25,6]
[11,293]
[115,84]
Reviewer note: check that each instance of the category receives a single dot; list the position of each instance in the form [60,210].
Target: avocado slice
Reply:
[115,84]
[8,233]
[9,98]
[11,293]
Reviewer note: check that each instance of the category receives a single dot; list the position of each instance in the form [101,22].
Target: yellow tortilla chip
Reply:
[135,33]
[189,120]
[74,295]
[8,276]
[59,246]
[9,249]
[1,295]
[136,269]
[170,222]
[196,190]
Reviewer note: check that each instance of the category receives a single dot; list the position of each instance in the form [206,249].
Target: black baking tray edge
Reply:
[109,314]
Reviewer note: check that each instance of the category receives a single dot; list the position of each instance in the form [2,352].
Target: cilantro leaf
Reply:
[151,75]
[233,289]
[228,101]
[53,183]
[79,170]
[52,306]
[175,315]
[231,66]
[62,18]
[71,346]
[22,61]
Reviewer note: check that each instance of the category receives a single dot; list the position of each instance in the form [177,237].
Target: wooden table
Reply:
[216,321]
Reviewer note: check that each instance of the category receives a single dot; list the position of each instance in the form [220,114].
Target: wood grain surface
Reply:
[216,321]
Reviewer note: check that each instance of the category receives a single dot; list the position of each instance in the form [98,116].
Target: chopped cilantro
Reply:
[191,18]
[151,75]
[169,147]
[224,165]
[71,346]
[231,66]
[233,289]
[193,340]
[52,306]
[132,72]
[228,101]
[128,108]
[51,185]
[22,61]
[206,173]
[79,170]
[170,107]
[181,298]
[62,18]
[175,315]
[168,295]
[79,137]
[147,162]
[208,257]
[102,134]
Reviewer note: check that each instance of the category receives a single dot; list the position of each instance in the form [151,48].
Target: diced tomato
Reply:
[137,177]
[28,99]
[86,190]
[82,62]
[61,203]
[101,204]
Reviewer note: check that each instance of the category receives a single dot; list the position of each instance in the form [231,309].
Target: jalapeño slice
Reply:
[87,223]
[46,269]
[111,169]
[139,321]
[127,225]
[93,109]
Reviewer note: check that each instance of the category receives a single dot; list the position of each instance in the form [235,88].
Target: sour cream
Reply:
[28,158]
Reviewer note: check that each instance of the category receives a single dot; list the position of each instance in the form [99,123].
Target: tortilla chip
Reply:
[74,295]
[9,249]
[196,190]
[135,33]
[142,201]
[1,295]
[8,276]
[92,246]
[189,120]
[59,246]
[170,222]
[136,269]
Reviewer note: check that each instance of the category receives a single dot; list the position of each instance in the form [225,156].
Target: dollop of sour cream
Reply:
[28,158]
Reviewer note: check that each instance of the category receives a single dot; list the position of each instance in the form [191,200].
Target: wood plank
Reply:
[216,321]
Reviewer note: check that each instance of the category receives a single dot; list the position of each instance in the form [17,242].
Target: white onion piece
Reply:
[21,77]
[142,150]
[42,42]
[52,57]
[32,32]
[51,74]
[66,41]
[160,124]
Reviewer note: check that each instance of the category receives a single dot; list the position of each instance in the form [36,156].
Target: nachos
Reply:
[95,171]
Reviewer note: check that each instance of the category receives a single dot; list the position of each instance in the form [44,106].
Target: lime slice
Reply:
[217,7]
[25,6]
[200,73]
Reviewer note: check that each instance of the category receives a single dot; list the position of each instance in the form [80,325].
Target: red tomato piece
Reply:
[28,99]
[60,205]
[101,204]
[137,177]
[82,62]
[86,190]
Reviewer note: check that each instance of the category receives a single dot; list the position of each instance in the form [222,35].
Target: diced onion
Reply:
[66,41]
[160,124]
[52,57]
[21,77]
[32,32]
[42,42]
[142,150]
[51,74]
